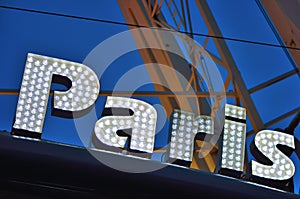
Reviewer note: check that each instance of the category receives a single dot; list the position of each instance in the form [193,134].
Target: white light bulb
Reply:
[266,142]
[35,88]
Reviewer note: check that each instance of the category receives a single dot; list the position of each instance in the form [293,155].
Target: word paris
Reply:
[83,91]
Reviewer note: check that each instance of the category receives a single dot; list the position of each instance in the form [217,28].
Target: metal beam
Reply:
[285,16]
[273,81]
[278,119]
[139,15]
[135,12]
[222,47]
[143,94]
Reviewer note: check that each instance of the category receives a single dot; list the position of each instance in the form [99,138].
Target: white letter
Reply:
[234,135]
[282,167]
[142,123]
[34,93]
[183,131]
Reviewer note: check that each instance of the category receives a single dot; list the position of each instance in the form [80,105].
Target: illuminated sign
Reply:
[39,73]
[83,89]
[142,123]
